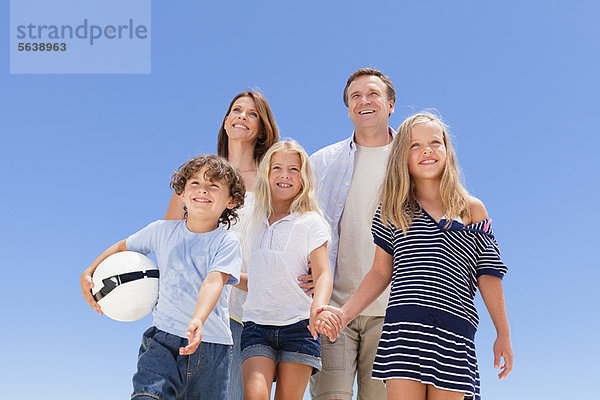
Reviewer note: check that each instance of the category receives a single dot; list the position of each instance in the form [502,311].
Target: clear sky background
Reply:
[86,160]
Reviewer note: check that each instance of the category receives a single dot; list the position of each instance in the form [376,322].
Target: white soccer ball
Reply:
[126,286]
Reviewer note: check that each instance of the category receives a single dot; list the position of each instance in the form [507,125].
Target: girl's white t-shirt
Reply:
[279,255]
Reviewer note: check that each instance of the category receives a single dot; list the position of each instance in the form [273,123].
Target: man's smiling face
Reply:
[368,104]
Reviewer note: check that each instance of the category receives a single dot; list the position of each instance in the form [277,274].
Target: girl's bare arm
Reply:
[491,291]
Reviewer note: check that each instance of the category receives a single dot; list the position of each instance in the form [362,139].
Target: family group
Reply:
[361,262]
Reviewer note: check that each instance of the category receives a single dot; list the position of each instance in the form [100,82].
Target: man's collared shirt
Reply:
[333,167]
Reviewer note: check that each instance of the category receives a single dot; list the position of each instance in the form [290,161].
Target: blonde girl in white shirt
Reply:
[288,231]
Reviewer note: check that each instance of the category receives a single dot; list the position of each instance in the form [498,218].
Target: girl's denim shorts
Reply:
[288,343]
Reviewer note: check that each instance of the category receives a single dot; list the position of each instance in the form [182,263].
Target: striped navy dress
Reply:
[430,322]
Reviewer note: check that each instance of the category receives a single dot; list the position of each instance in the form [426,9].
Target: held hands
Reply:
[331,320]
[503,349]
[86,287]
[194,335]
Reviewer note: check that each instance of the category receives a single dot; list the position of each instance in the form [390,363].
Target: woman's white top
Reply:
[279,255]
[242,231]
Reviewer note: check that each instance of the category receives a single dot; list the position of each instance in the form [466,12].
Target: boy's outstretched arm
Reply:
[493,297]
[86,277]
[207,299]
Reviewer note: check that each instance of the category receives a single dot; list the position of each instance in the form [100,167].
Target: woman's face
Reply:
[243,122]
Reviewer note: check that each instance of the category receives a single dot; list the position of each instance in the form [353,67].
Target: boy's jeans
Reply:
[164,374]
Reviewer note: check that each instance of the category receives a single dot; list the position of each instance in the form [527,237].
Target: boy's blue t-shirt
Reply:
[184,259]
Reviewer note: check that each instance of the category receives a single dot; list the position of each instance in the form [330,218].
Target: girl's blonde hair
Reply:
[399,207]
[305,200]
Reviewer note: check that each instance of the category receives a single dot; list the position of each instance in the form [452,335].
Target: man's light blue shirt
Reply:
[184,260]
[333,167]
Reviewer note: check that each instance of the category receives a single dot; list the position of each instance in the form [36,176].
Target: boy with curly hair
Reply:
[196,259]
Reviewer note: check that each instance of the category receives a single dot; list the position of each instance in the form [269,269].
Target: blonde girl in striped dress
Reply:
[436,247]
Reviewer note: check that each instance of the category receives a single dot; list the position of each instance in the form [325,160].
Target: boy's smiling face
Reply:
[205,199]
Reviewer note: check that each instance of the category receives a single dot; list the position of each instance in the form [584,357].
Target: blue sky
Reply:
[86,160]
